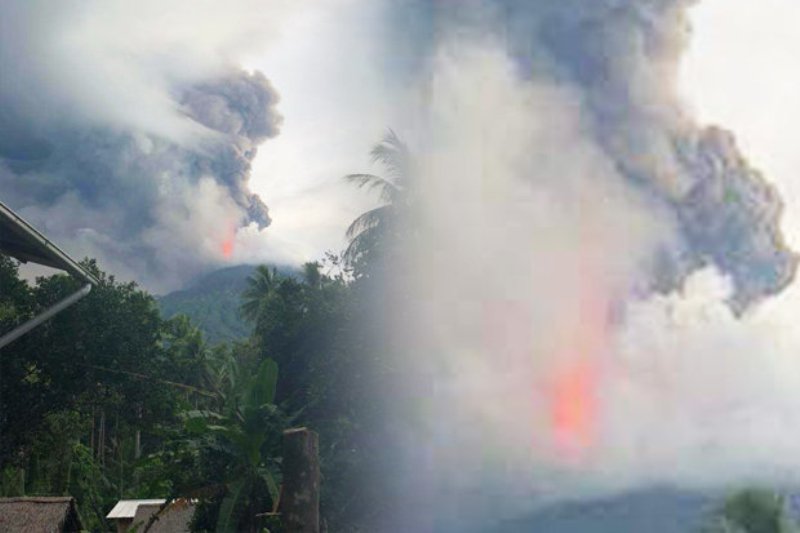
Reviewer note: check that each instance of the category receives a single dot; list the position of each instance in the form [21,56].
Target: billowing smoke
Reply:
[624,57]
[127,132]
[621,59]
[594,271]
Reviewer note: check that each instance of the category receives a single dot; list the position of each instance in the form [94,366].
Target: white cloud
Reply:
[337,101]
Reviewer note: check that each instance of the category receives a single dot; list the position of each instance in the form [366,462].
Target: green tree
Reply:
[753,511]
[306,324]
[247,434]
[90,398]
[15,296]
[301,323]
[186,358]
[79,358]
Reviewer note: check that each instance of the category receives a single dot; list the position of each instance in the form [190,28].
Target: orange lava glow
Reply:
[227,248]
[573,394]
[574,410]
[228,242]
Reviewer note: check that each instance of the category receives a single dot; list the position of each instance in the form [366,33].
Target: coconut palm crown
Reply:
[368,232]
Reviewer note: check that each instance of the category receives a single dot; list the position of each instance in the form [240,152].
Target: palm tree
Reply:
[259,285]
[367,232]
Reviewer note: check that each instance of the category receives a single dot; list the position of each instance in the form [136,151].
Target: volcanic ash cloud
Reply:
[112,144]
[595,274]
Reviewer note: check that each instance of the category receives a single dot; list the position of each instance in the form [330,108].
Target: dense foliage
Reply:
[87,393]
[108,400]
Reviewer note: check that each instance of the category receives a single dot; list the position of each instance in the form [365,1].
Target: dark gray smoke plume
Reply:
[241,107]
[621,57]
[121,157]
[559,149]
[624,55]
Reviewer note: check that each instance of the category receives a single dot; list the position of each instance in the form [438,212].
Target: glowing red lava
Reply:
[227,248]
[574,410]
[574,406]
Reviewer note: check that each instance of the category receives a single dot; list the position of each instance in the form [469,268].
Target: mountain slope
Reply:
[212,303]
[650,511]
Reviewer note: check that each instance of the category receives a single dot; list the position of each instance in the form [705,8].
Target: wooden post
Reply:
[301,478]
[101,438]
[137,447]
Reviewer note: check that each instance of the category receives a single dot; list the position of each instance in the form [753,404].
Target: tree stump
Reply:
[301,479]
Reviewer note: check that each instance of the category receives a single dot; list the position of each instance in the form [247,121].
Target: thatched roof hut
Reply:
[39,514]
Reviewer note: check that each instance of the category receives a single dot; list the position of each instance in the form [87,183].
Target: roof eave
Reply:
[49,254]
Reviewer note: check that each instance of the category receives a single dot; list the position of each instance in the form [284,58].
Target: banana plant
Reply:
[248,426]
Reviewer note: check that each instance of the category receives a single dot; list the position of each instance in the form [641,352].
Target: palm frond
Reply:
[370,219]
[367,232]
[361,245]
[387,189]
[392,152]
[259,285]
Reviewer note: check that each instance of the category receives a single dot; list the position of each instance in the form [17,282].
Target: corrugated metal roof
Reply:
[174,519]
[127,508]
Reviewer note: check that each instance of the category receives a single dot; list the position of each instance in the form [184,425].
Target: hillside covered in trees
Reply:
[212,303]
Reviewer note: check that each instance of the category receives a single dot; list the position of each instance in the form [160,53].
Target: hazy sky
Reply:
[337,102]
[740,72]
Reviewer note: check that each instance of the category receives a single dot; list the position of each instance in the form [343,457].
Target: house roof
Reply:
[127,508]
[39,513]
[175,518]
[21,241]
